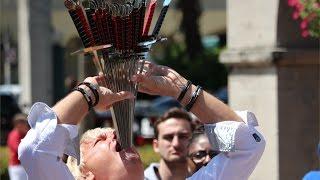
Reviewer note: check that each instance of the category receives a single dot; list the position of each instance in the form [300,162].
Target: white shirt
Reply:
[41,150]
[242,146]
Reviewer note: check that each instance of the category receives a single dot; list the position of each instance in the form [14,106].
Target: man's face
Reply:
[201,152]
[104,160]
[173,138]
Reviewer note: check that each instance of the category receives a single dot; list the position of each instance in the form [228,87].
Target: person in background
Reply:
[232,133]
[200,151]
[173,131]
[21,127]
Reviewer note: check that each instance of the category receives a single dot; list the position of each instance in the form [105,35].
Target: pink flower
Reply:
[292,2]
[295,15]
[305,33]
[299,6]
[307,11]
[304,24]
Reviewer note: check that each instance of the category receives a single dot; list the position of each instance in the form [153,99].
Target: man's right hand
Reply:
[106,96]
[159,80]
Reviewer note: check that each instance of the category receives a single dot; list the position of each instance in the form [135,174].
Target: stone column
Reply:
[275,74]
[24,52]
[35,46]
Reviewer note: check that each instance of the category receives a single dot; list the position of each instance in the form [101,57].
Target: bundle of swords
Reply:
[116,34]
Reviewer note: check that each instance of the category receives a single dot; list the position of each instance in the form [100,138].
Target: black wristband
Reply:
[86,97]
[184,91]
[193,98]
[93,89]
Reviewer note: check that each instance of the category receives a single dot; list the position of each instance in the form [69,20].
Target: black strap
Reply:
[160,21]
[86,96]
[184,91]
[94,90]
[193,98]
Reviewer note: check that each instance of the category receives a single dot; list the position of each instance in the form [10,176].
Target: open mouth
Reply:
[118,147]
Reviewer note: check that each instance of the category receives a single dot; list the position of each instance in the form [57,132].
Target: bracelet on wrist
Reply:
[94,90]
[194,97]
[184,91]
[85,95]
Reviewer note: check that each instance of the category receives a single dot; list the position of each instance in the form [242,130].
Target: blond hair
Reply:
[87,137]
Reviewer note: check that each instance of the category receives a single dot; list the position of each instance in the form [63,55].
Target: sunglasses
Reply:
[201,155]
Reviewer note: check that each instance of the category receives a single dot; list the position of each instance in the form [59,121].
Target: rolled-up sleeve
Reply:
[41,150]
[241,147]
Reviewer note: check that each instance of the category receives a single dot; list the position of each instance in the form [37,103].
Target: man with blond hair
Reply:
[89,136]
[53,130]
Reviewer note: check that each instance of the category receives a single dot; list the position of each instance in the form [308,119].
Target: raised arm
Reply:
[73,108]
[53,131]
[231,133]
[162,80]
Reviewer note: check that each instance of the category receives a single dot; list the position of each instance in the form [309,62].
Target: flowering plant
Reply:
[308,11]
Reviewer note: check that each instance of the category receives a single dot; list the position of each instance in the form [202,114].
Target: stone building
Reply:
[275,73]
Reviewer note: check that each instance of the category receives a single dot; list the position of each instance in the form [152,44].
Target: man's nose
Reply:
[207,159]
[175,141]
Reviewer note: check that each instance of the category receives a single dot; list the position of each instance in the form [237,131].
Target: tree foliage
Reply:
[204,69]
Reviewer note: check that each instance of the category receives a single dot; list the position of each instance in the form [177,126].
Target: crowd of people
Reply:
[226,146]
[183,147]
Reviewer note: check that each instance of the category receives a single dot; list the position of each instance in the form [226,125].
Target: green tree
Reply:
[204,69]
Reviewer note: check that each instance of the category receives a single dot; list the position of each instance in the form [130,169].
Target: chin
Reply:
[130,155]
[177,159]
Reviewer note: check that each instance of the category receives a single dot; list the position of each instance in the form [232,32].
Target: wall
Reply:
[255,89]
